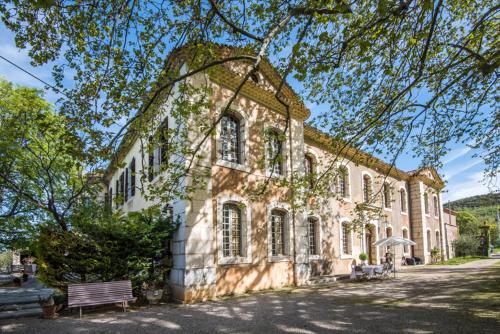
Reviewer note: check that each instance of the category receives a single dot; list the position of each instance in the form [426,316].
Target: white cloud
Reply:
[455,154]
[469,185]
[452,172]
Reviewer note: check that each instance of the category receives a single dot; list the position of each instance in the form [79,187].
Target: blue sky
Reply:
[462,172]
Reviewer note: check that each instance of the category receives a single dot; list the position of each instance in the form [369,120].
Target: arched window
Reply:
[438,240]
[343,182]
[388,234]
[313,235]
[367,188]
[429,243]
[426,203]
[405,235]
[278,232]
[346,239]
[274,153]
[309,170]
[387,195]
[231,230]
[231,143]
[436,205]
[404,203]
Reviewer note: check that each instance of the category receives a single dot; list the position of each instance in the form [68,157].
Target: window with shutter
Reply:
[274,153]
[367,188]
[230,139]
[164,142]
[132,177]
[117,187]
[126,185]
[278,232]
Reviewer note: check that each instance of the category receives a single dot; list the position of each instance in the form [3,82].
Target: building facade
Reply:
[230,241]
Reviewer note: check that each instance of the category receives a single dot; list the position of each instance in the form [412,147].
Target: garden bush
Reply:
[105,249]
[466,245]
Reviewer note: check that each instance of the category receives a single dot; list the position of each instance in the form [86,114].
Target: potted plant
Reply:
[48,307]
[435,254]
[59,299]
[363,257]
[153,290]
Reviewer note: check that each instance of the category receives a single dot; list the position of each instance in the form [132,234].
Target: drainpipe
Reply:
[410,218]
[293,204]
[441,223]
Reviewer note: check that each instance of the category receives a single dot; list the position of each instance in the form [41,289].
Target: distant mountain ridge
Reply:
[484,207]
[475,201]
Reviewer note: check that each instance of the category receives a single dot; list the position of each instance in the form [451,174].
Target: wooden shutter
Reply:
[132,178]
[151,166]
[164,142]
[126,184]
[117,188]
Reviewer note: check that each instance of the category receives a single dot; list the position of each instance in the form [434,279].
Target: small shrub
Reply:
[363,257]
[466,245]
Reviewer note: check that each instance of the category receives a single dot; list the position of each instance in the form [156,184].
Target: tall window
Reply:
[426,203]
[367,188]
[117,196]
[309,170]
[278,232]
[158,151]
[346,239]
[230,139]
[402,195]
[231,230]
[438,240]
[388,234]
[312,228]
[429,244]
[131,178]
[405,235]
[343,182]
[436,205]
[110,197]
[274,153]
[387,195]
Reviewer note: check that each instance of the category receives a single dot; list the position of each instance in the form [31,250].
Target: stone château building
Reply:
[229,242]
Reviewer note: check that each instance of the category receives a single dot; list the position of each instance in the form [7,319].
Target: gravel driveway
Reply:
[430,299]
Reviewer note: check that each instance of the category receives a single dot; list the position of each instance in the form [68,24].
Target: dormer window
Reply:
[367,188]
[309,170]
[387,196]
[254,77]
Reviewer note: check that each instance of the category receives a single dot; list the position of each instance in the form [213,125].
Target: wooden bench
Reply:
[89,294]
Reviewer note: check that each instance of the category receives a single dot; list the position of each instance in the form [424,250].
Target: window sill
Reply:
[234,260]
[233,165]
[404,213]
[279,258]
[346,256]
[346,199]
[388,209]
[314,257]
[275,176]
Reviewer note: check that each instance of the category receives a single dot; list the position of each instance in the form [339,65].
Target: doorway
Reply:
[369,240]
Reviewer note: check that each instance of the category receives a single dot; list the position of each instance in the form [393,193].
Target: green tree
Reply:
[468,223]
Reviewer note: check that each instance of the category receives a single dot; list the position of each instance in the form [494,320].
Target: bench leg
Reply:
[124,309]
[80,312]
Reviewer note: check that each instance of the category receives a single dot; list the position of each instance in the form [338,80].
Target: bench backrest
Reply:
[99,293]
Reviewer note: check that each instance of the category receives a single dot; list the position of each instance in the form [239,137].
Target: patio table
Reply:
[370,269]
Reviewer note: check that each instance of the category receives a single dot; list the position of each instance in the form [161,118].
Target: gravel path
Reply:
[430,299]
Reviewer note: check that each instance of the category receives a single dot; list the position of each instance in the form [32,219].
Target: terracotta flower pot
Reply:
[49,311]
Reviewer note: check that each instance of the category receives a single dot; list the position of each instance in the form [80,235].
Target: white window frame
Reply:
[288,233]
[246,230]
[363,173]
[284,152]
[407,237]
[319,237]
[435,205]
[344,256]
[428,241]
[405,212]
[389,208]
[349,189]
[244,150]
[428,212]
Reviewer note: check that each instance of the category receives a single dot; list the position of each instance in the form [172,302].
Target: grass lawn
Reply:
[461,260]
[496,250]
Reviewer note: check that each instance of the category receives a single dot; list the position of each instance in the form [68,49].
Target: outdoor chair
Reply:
[410,261]
[417,260]
[360,274]
[379,272]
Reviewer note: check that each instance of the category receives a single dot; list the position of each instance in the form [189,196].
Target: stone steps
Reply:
[22,313]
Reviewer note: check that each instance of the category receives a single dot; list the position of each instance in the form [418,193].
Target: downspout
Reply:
[293,203]
[410,218]
[441,223]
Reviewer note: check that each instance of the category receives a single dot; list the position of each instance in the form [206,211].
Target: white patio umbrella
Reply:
[394,241]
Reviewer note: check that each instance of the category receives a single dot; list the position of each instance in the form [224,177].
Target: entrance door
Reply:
[368,246]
